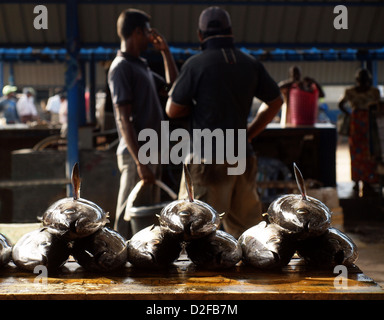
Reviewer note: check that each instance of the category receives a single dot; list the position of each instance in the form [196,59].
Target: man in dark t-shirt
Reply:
[136,106]
[216,88]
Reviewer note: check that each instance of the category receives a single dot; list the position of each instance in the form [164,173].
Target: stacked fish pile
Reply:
[189,222]
[72,226]
[296,223]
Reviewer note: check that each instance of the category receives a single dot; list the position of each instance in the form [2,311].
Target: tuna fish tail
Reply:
[188,183]
[76,181]
[300,181]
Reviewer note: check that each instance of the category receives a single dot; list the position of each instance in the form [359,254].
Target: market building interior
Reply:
[74,50]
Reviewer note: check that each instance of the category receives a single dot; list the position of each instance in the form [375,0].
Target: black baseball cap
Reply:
[214,19]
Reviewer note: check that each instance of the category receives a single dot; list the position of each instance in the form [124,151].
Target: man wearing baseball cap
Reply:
[8,105]
[216,88]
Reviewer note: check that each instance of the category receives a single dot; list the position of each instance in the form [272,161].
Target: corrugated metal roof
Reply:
[270,23]
[257,24]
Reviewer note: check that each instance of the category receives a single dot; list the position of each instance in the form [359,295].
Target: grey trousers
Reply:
[235,195]
[149,194]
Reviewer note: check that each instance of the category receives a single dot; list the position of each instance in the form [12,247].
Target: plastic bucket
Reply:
[303,106]
[144,216]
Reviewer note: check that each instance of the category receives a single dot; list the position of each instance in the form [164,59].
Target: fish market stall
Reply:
[74,255]
[20,136]
[313,146]
[14,137]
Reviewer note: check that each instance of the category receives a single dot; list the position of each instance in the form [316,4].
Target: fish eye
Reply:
[302,211]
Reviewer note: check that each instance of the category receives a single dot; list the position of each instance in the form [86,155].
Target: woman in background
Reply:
[360,97]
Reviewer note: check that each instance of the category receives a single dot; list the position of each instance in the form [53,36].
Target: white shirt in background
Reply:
[25,106]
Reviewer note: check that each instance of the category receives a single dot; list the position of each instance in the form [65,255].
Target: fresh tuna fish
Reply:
[189,219]
[266,246]
[215,251]
[103,251]
[5,250]
[152,248]
[330,249]
[75,217]
[300,215]
[40,247]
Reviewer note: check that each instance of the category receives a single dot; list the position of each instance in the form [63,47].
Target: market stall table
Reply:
[313,148]
[15,137]
[184,282]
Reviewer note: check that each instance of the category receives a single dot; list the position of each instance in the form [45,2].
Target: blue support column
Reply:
[72,84]
[81,95]
[92,90]
[11,76]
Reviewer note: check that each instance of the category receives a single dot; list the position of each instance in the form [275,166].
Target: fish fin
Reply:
[188,183]
[76,181]
[90,254]
[300,181]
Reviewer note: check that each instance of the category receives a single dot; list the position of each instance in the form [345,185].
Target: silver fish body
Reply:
[152,248]
[5,250]
[330,249]
[40,247]
[215,251]
[103,251]
[300,215]
[303,218]
[75,218]
[189,220]
[266,246]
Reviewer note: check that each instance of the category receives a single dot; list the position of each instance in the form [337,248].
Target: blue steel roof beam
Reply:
[279,54]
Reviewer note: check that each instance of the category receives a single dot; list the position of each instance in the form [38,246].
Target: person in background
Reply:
[216,88]
[8,105]
[360,97]
[295,79]
[53,106]
[63,114]
[134,91]
[26,106]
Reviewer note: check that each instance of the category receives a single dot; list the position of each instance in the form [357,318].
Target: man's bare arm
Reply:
[264,116]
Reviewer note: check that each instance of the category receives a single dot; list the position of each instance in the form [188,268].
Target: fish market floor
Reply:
[371,257]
